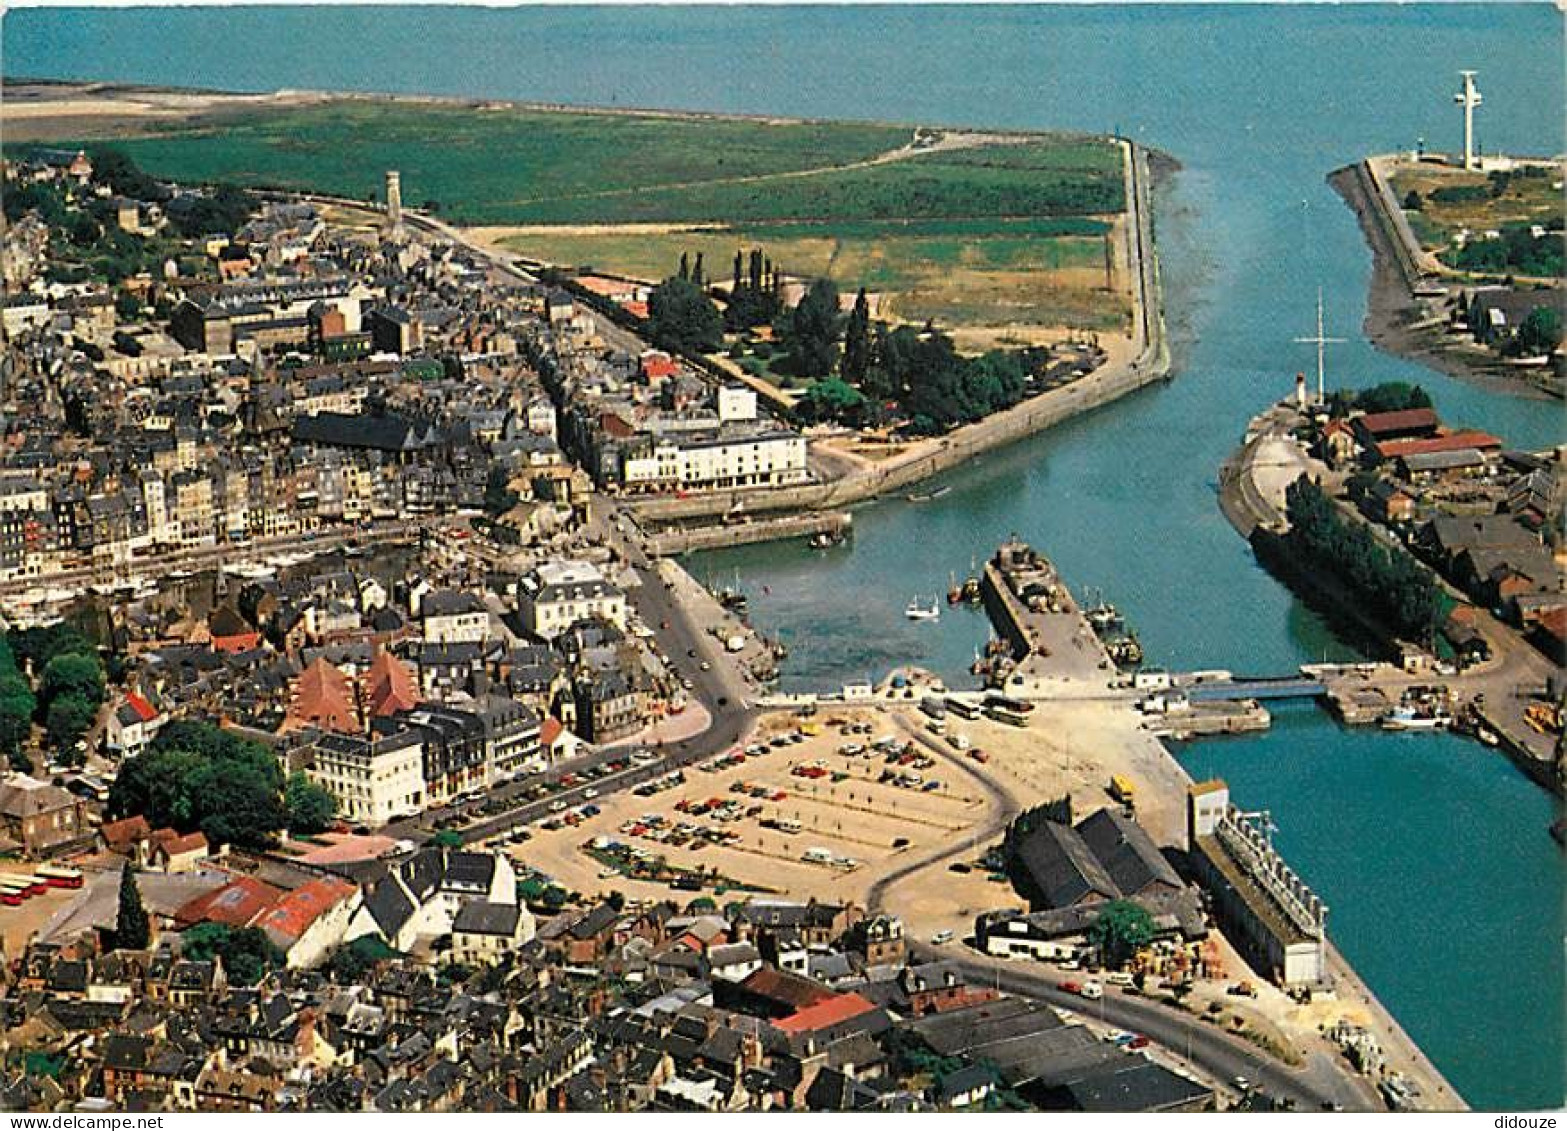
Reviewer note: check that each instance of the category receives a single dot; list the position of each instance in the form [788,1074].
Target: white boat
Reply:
[915,611]
[1406,718]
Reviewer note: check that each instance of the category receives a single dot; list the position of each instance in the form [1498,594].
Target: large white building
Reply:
[450,617]
[557,595]
[374,778]
[718,459]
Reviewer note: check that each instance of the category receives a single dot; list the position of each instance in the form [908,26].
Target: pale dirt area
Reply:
[19,924]
[856,818]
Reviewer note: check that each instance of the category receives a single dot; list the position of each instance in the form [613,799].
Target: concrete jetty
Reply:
[674,540]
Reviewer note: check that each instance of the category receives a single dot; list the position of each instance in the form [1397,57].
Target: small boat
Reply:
[1407,718]
[915,611]
[825,540]
[1103,617]
[927,496]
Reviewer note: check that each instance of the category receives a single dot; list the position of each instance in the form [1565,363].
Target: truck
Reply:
[818,856]
[1121,789]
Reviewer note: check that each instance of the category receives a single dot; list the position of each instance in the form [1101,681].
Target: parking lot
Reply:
[794,812]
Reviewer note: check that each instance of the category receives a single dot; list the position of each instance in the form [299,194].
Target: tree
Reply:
[308,807]
[498,495]
[246,952]
[857,341]
[832,399]
[72,674]
[813,330]
[112,167]
[1121,930]
[131,928]
[1540,332]
[1412,201]
[681,318]
[17,703]
[447,838]
[198,776]
[351,962]
[69,718]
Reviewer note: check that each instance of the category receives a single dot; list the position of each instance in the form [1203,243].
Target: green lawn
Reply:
[505,166]
[997,234]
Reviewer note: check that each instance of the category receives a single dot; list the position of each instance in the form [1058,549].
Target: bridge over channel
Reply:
[1284,687]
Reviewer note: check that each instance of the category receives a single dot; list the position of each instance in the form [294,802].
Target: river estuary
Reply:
[1432,852]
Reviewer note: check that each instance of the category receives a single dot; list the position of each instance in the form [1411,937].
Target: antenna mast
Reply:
[1320,341]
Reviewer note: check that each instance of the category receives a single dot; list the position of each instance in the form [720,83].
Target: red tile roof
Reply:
[824,1014]
[1452,442]
[125,833]
[550,730]
[177,845]
[291,917]
[324,698]
[144,710]
[239,642]
[235,904]
[636,309]
[657,365]
[392,689]
[1404,420]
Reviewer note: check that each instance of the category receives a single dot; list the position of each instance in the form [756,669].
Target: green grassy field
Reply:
[994,233]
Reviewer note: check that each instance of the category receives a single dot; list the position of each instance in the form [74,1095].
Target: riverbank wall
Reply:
[1397,322]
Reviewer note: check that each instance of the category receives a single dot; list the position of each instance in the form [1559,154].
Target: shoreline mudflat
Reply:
[1391,309]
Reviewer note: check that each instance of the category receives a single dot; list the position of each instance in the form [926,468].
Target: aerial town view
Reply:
[782,559]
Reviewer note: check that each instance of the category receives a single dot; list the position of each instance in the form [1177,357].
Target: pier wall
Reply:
[684,540]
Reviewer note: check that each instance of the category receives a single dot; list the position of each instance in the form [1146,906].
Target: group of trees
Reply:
[196,776]
[1515,250]
[682,319]
[917,373]
[1387,578]
[753,292]
[88,238]
[17,705]
[246,952]
[70,689]
[1539,333]
[1390,396]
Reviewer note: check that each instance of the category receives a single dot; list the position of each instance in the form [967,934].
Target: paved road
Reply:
[1320,1083]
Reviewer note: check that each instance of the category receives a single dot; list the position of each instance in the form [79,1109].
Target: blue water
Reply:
[1445,889]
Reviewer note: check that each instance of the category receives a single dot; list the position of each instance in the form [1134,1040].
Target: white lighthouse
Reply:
[1468,98]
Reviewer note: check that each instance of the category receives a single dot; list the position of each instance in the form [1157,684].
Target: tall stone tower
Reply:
[394,204]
